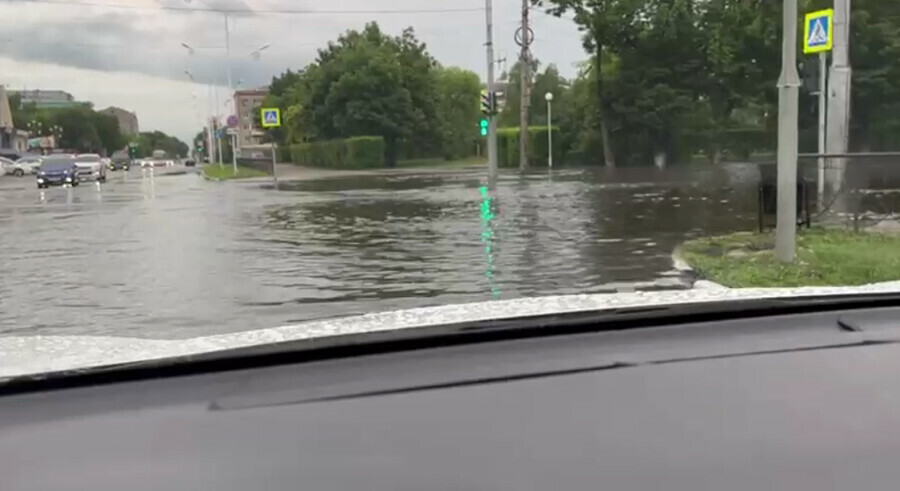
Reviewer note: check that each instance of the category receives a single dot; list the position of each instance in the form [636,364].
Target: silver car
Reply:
[90,167]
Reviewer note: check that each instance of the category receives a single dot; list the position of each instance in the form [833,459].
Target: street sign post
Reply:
[271,118]
[818,37]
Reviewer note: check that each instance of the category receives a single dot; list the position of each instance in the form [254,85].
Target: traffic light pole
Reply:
[492,120]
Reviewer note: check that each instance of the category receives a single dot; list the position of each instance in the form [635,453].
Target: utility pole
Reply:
[838,112]
[492,119]
[525,68]
[788,102]
[234,140]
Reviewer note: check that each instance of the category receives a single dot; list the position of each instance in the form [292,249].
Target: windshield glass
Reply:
[56,164]
[274,163]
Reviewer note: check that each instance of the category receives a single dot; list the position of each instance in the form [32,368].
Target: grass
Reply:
[825,257]
[216,172]
[439,162]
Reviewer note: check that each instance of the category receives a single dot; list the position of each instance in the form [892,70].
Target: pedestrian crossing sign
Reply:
[818,31]
[271,117]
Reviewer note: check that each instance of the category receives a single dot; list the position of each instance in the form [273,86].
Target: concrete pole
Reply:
[788,102]
[234,142]
[823,95]
[525,89]
[492,120]
[838,128]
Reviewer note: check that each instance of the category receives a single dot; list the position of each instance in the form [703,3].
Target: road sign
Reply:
[818,31]
[231,131]
[232,121]
[220,133]
[271,117]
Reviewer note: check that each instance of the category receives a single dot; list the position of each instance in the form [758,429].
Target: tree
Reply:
[458,112]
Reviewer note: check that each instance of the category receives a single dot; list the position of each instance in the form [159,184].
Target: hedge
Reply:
[508,146]
[359,152]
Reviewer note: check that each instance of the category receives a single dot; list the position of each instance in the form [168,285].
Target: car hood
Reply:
[30,355]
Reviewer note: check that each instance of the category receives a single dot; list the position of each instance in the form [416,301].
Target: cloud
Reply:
[113,45]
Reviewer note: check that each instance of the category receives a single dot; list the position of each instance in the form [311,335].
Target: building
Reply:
[128,121]
[12,141]
[47,98]
[247,104]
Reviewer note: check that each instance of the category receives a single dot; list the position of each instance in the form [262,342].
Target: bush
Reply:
[360,152]
[508,146]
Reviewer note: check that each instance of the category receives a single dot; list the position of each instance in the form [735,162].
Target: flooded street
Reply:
[177,257]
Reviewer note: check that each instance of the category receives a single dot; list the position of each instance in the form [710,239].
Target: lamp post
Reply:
[549,98]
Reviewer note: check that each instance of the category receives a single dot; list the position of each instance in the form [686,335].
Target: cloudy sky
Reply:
[129,53]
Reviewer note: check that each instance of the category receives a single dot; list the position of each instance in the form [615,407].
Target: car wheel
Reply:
[75,183]
[18,172]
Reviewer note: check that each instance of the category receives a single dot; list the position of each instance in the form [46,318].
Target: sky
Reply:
[131,53]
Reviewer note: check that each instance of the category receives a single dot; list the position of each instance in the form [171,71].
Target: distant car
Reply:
[90,167]
[7,167]
[57,170]
[27,165]
[190,162]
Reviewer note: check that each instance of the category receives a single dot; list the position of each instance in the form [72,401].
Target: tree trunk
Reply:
[609,159]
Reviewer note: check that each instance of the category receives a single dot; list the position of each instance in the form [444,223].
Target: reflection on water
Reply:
[180,257]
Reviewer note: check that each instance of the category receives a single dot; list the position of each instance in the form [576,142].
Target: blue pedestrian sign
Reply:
[818,31]
[271,117]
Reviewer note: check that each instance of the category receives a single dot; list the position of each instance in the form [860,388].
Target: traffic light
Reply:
[132,150]
[488,103]
[484,126]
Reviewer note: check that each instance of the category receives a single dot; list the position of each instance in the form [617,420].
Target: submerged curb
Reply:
[679,263]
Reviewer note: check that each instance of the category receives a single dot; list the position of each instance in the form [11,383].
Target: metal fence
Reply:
[859,190]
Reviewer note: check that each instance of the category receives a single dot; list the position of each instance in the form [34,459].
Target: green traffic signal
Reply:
[484,127]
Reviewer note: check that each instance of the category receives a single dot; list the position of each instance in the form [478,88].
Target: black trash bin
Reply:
[768,197]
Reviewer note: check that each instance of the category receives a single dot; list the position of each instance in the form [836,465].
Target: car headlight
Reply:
[42,173]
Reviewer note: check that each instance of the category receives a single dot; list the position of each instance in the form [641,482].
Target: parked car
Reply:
[57,170]
[90,167]
[27,165]
[7,167]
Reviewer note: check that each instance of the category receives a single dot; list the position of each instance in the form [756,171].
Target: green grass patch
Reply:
[214,171]
[439,162]
[825,257]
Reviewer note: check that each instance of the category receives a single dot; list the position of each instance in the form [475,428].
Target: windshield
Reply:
[56,164]
[274,163]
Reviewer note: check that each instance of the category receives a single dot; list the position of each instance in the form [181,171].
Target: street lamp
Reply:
[256,53]
[549,98]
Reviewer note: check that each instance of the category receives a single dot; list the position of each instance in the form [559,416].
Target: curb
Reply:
[682,266]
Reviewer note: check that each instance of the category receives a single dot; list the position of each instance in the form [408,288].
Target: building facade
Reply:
[247,104]
[46,98]
[128,121]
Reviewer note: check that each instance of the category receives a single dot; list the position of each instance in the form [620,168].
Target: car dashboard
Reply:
[799,401]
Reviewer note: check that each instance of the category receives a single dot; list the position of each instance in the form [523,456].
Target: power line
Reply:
[250,11]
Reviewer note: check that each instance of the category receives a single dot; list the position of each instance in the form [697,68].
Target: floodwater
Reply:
[175,256]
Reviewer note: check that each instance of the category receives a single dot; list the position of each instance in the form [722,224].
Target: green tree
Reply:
[458,112]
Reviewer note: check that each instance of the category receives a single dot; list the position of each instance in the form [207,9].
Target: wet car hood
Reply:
[29,355]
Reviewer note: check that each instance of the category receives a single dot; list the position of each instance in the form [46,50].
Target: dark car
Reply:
[57,170]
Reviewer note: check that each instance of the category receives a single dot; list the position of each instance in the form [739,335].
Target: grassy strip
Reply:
[442,162]
[213,171]
[825,257]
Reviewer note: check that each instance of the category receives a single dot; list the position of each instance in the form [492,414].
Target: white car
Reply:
[25,165]
[90,167]
[7,167]
[28,165]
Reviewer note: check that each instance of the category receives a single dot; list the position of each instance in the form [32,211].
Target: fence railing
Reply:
[857,189]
